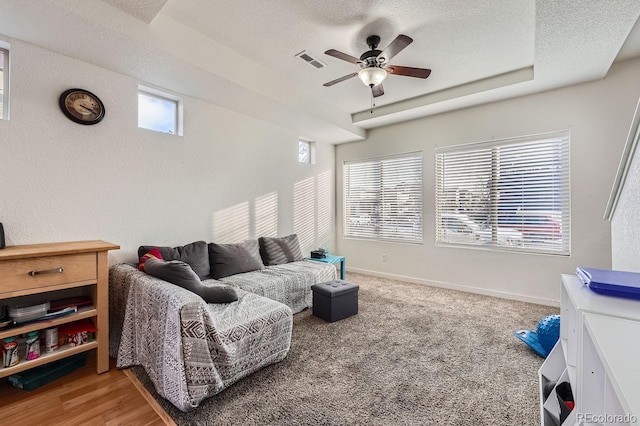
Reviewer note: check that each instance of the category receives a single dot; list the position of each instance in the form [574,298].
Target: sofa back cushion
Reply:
[276,251]
[195,255]
[231,259]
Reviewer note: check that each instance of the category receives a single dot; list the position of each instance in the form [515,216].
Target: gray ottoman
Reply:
[335,300]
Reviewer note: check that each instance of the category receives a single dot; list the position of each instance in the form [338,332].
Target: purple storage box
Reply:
[611,283]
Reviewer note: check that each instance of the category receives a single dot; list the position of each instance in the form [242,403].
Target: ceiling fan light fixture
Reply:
[373,64]
[372,76]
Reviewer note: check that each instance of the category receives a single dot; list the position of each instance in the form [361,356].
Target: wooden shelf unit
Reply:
[30,270]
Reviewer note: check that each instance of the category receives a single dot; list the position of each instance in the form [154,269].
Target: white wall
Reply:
[61,181]
[598,115]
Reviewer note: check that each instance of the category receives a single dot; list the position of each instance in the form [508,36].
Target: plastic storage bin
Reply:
[28,313]
[39,376]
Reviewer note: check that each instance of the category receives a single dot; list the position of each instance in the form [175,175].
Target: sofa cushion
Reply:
[231,259]
[194,254]
[181,274]
[276,251]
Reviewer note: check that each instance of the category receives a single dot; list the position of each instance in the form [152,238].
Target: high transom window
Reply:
[511,194]
[306,152]
[4,83]
[159,111]
[383,198]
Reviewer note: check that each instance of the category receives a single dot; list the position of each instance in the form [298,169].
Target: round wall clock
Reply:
[81,106]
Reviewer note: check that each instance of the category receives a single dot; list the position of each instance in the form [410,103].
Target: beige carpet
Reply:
[413,355]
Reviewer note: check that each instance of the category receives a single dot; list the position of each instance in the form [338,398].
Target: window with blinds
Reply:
[511,194]
[383,198]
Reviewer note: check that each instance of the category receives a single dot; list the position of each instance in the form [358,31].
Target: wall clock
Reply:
[81,106]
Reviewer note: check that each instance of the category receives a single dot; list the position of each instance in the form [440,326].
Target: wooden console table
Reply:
[37,269]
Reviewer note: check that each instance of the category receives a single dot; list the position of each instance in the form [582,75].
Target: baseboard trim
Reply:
[148,397]
[459,287]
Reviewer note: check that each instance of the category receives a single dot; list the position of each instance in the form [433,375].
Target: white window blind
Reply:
[383,198]
[512,193]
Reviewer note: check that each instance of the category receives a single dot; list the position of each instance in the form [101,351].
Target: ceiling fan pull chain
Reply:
[373,101]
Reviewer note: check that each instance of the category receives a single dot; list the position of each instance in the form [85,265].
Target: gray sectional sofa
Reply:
[192,349]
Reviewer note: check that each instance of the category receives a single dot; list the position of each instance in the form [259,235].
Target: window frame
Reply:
[167,97]
[382,212]
[513,178]
[5,66]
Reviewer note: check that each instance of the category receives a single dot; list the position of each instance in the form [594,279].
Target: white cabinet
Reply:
[611,368]
[598,354]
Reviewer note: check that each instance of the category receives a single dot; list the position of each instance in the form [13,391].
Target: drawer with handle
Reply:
[22,275]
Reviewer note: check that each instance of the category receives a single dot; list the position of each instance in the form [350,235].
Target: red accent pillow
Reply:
[154,253]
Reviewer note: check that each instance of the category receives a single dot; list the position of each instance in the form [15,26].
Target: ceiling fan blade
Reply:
[408,71]
[343,56]
[338,80]
[395,47]
[377,90]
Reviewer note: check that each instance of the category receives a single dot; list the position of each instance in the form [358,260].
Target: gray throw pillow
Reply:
[276,251]
[181,274]
[195,254]
[231,259]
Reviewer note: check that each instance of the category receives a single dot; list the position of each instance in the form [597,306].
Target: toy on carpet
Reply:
[544,338]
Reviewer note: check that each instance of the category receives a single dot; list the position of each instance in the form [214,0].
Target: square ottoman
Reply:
[335,300]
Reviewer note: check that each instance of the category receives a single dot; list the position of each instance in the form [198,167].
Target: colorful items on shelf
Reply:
[78,332]
[33,345]
[10,352]
[28,346]
[51,339]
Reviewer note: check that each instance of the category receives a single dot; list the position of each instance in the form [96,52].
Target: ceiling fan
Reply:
[374,64]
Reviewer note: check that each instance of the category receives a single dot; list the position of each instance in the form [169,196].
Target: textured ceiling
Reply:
[241,54]
[460,40]
[145,10]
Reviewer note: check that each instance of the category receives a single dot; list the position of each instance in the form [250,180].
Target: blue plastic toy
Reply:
[544,338]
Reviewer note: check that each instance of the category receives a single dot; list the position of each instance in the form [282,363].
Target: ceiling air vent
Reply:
[310,60]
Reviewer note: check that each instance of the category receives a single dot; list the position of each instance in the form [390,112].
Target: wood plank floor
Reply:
[82,398]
